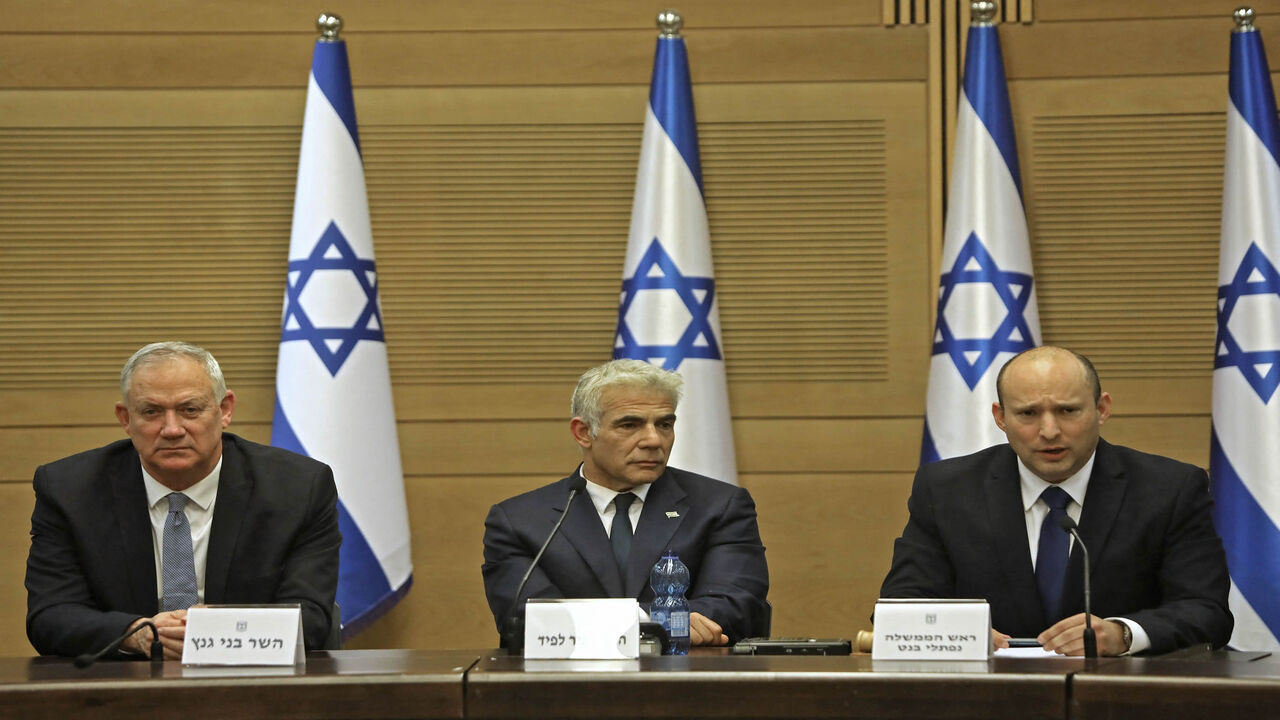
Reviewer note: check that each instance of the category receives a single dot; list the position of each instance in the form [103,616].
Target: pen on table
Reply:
[1023,642]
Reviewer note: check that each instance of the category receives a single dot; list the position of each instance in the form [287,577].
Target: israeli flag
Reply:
[333,388]
[668,313]
[986,297]
[1245,442]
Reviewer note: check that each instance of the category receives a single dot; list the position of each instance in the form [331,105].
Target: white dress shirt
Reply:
[1036,510]
[199,511]
[602,497]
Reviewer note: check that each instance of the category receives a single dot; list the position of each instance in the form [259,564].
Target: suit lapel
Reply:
[1009,530]
[138,556]
[1101,507]
[234,488]
[583,529]
[665,507]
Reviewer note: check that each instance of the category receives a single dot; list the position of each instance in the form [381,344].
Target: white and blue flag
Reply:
[669,312]
[1245,441]
[333,387]
[986,297]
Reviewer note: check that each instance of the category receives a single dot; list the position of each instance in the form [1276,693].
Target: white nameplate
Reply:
[244,635]
[932,630]
[582,629]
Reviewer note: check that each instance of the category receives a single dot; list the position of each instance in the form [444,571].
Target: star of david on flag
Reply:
[1261,368]
[668,311]
[333,256]
[333,384]
[657,274]
[1243,451]
[974,356]
[987,309]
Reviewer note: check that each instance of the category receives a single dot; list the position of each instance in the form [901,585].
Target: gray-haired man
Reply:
[624,415]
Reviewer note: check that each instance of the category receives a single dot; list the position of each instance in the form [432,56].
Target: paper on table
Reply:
[1024,652]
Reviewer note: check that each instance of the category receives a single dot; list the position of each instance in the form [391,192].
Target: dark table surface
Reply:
[340,685]
[384,684]
[729,686]
[1219,685]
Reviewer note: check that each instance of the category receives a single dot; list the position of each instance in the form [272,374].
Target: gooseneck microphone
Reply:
[513,628]
[157,650]
[1090,638]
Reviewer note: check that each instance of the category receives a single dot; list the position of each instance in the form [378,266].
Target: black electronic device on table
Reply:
[793,646]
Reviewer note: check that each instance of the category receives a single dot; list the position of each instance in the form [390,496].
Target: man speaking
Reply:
[180,513]
[986,525]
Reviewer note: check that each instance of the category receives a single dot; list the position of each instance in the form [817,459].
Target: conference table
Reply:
[404,684]
[340,685]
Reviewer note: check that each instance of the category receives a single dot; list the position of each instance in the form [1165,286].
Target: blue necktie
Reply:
[178,564]
[620,534]
[1051,558]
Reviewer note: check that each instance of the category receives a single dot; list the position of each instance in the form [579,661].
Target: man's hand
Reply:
[704,631]
[173,632]
[999,639]
[1066,637]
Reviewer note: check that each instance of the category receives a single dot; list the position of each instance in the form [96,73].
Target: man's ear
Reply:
[581,432]
[1104,407]
[997,412]
[227,407]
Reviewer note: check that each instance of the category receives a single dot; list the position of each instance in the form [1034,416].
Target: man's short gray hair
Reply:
[172,349]
[620,373]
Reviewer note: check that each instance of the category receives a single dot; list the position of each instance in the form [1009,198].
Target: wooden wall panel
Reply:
[1056,10]
[15,539]
[1123,185]
[402,59]
[199,17]
[499,242]
[146,183]
[138,137]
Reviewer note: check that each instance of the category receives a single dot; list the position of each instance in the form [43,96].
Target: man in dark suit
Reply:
[624,421]
[259,523]
[980,525]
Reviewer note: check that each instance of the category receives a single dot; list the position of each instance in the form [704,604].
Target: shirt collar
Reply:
[202,494]
[1075,486]
[602,496]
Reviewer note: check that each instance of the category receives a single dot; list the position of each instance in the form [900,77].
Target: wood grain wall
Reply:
[147,159]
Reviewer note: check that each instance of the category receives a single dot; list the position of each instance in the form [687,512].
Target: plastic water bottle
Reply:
[669,580]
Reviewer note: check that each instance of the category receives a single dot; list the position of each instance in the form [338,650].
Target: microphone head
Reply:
[577,483]
[83,661]
[1066,523]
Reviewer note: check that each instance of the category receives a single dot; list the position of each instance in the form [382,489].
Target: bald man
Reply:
[978,525]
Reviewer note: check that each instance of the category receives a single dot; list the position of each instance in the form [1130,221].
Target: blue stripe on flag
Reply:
[1251,90]
[988,93]
[333,75]
[282,434]
[671,97]
[362,584]
[1252,541]
[928,451]
[361,581]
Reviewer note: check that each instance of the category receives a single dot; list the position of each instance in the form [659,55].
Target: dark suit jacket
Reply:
[1145,520]
[714,533]
[91,569]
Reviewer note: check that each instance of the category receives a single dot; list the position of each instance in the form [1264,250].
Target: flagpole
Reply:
[987,310]
[669,311]
[333,384]
[1243,452]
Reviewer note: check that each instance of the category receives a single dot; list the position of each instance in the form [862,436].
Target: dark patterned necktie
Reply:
[178,564]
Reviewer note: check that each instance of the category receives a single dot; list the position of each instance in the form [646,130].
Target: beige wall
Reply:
[147,159]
